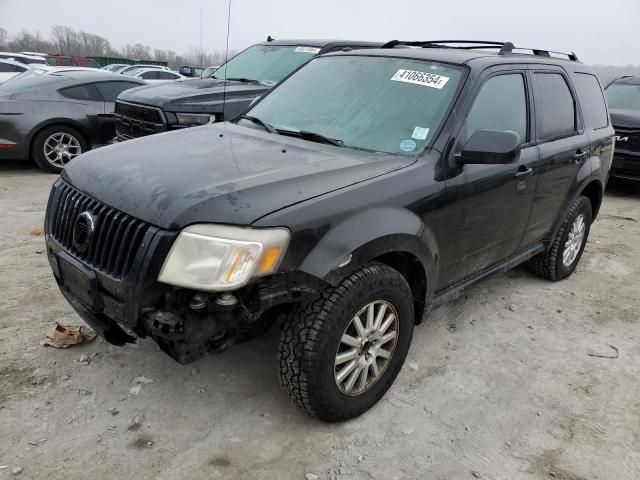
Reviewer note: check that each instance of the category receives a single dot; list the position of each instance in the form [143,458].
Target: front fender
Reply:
[367,235]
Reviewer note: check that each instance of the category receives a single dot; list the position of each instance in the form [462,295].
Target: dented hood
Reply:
[221,173]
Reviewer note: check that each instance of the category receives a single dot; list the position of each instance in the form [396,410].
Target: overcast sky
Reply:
[605,32]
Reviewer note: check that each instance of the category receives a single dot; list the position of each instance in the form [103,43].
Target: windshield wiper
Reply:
[260,122]
[311,136]
[245,80]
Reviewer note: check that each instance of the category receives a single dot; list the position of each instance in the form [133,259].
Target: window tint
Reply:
[81,92]
[66,62]
[555,104]
[87,62]
[500,105]
[592,100]
[166,76]
[149,75]
[111,90]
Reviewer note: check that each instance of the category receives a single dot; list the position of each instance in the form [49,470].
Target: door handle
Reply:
[523,172]
[580,155]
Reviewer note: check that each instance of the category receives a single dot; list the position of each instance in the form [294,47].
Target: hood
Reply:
[220,173]
[204,95]
[625,118]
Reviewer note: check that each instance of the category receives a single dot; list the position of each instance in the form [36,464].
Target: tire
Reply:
[311,340]
[67,135]
[551,264]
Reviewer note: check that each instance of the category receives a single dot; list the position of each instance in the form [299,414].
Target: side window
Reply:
[556,106]
[81,92]
[111,90]
[151,75]
[500,105]
[166,76]
[66,62]
[88,62]
[591,99]
[6,67]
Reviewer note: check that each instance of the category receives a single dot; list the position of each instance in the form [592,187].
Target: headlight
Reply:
[218,257]
[193,119]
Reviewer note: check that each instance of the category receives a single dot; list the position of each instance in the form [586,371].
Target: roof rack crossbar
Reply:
[506,48]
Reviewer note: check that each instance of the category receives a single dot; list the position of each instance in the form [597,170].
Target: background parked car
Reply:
[188,71]
[70,61]
[623,95]
[198,101]
[128,68]
[23,58]
[11,68]
[207,72]
[154,75]
[115,67]
[54,117]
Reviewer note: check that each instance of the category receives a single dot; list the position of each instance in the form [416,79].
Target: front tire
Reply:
[562,258]
[55,146]
[341,353]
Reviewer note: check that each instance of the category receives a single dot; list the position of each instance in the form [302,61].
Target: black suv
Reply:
[222,96]
[363,191]
[623,95]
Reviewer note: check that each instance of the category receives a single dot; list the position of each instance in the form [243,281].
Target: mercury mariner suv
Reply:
[363,191]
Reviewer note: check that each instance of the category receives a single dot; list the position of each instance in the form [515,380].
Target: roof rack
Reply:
[504,48]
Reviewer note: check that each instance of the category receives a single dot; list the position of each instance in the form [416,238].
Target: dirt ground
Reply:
[499,384]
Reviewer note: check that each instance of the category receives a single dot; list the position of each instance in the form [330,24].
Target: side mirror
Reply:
[491,146]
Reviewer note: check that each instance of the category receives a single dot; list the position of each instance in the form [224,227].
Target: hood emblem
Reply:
[83,230]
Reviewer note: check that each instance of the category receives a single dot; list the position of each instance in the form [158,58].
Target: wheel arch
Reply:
[594,191]
[393,236]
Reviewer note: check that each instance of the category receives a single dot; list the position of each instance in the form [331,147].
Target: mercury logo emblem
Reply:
[83,230]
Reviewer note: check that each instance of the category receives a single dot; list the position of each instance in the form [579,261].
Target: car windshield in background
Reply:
[209,71]
[134,71]
[623,95]
[267,64]
[373,103]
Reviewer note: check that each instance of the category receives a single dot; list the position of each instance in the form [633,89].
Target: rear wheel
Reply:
[340,354]
[567,246]
[55,146]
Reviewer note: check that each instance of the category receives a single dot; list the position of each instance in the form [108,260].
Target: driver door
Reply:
[488,205]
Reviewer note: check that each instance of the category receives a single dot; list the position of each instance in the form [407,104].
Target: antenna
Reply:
[226,59]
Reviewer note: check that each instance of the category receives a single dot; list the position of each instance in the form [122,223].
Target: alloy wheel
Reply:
[574,241]
[60,148]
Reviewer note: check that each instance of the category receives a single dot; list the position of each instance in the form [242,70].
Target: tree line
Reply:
[67,41]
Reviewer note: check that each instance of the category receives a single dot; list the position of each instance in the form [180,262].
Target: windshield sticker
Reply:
[420,133]
[420,78]
[407,145]
[307,50]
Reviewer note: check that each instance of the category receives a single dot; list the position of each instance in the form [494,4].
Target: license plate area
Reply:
[78,280]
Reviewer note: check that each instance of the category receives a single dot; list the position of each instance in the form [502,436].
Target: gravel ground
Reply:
[499,384]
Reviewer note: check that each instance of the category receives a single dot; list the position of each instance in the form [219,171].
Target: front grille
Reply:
[113,244]
[628,139]
[133,121]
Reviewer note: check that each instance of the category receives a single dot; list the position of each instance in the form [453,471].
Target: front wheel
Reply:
[340,354]
[562,257]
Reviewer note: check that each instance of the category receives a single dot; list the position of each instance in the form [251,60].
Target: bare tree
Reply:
[3,38]
[26,41]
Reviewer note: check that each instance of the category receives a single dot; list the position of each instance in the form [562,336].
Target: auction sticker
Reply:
[408,145]
[420,78]
[420,133]
[307,50]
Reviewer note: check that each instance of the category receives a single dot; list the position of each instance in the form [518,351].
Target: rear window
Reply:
[111,90]
[556,106]
[592,99]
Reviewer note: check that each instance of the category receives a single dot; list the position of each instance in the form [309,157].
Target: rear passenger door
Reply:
[563,144]
[488,206]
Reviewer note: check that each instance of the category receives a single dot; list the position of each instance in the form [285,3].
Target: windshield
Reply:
[384,104]
[209,71]
[623,95]
[132,72]
[268,64]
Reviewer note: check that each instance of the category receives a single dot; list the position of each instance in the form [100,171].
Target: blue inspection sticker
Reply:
[408,145]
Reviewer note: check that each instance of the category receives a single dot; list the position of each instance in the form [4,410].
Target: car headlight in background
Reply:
[219,257]
[194,119]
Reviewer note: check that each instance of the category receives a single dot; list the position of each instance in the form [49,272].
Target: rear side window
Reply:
[500,105]
[591,99]
[81,92]
[151,75]
[66,62]
[111,90]
[166,76]
[88,62]
[556,106]
[7,67]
